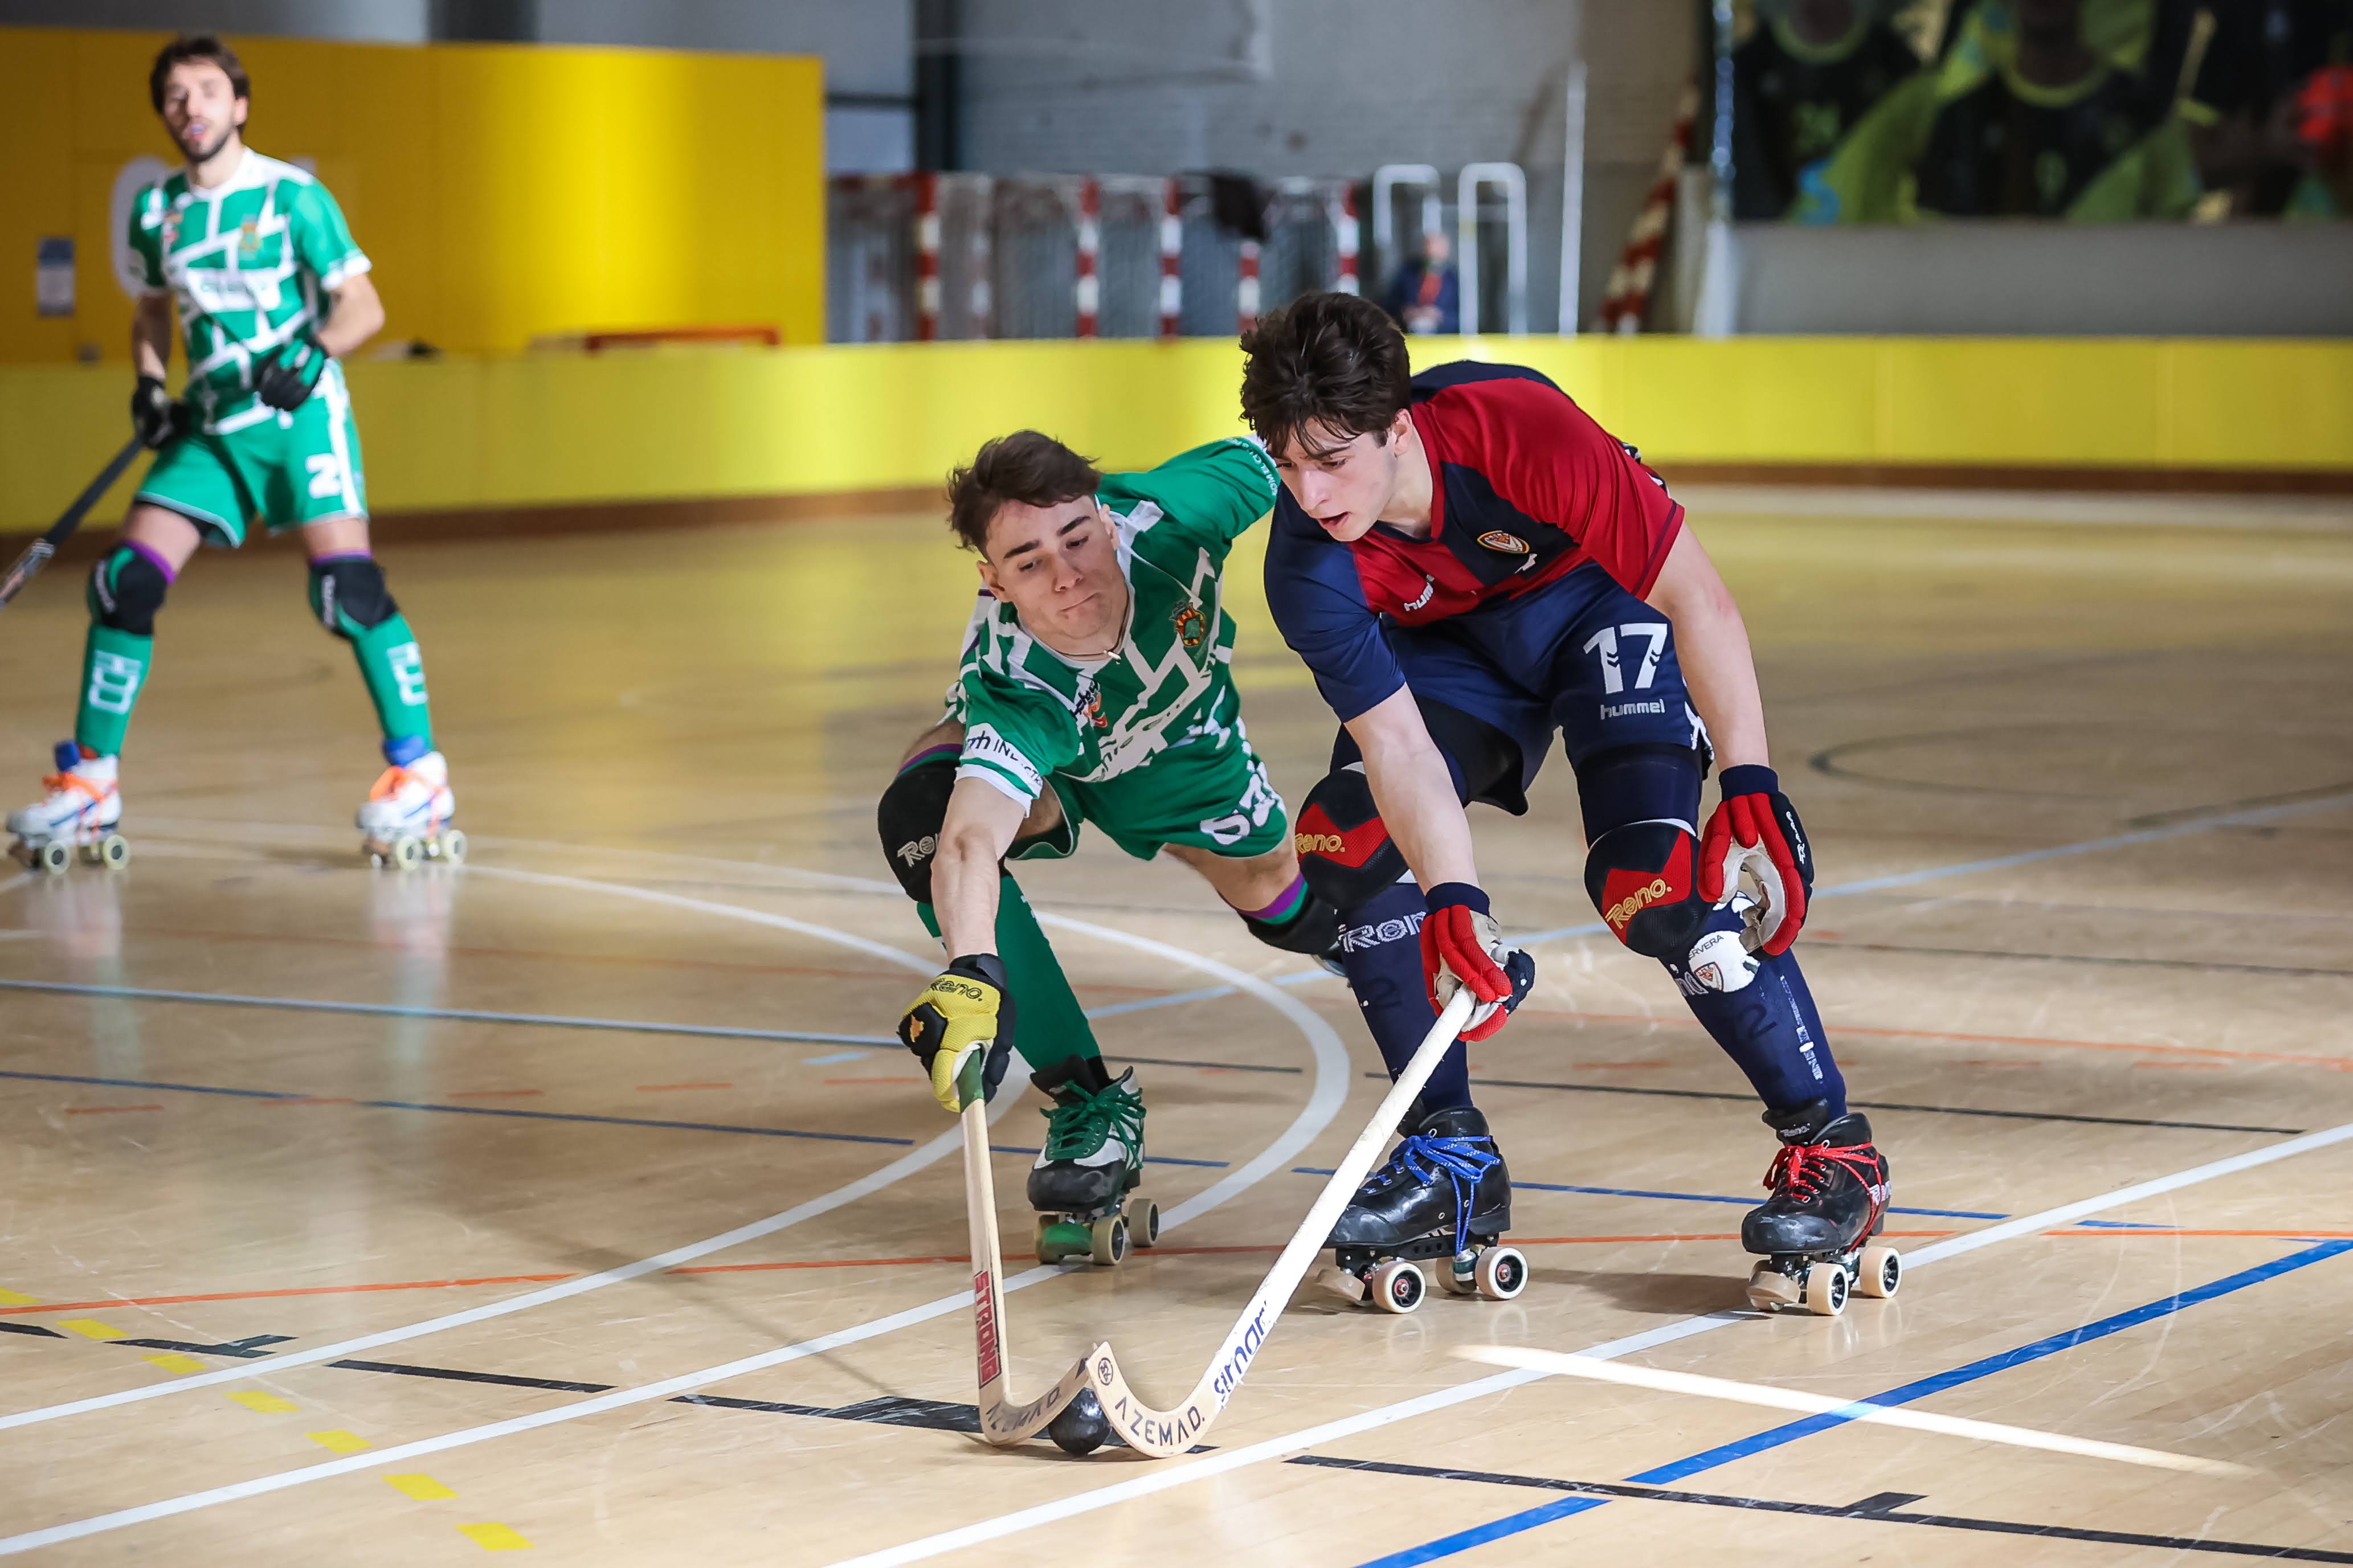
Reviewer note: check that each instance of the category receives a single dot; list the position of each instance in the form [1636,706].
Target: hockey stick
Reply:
[37,555]
[1162,1434]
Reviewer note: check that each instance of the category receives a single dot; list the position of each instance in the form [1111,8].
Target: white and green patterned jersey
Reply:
[1029,712]
[250,262]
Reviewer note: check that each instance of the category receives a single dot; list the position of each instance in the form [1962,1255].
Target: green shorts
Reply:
[1213,797]
[286,470]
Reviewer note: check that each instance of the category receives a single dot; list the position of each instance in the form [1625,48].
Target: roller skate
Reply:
[406,818]
[1830,1198]
[80,811]
[1083,1185]
[1443,1195]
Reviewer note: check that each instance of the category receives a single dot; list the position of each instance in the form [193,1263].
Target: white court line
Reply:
[905,1166]
[1862,1413]
[1166,1476]
[1324,1102]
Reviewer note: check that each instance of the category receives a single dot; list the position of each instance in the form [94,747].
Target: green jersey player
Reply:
[271,290]
[1096,687]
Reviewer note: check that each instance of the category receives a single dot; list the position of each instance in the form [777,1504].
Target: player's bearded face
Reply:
[1345,485]
[201,108]
[1058,567]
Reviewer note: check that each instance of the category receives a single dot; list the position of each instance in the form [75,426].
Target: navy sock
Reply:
[1770,1029]
[1380,947]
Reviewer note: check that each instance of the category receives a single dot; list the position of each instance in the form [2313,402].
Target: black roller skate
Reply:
[1830,1198]
[1083,1186]
[1443,1194]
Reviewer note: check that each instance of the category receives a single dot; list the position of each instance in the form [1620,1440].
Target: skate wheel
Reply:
[53,857]
[1062,1239]
[1143,1222]
[1769,1289]
[1501,1273]
[1108,1237]
[451,847]
[1396,1286]
[1460,1277]
[113,852]
[406,852]
[1879,1272]
[1826,1285]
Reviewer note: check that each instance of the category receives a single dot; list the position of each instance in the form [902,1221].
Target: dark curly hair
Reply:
[196,46]
[1026,467]
[1330,363]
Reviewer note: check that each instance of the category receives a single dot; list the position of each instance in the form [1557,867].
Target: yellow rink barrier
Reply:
[551,429]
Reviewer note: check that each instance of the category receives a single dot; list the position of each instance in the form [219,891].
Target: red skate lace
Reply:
[388,783]
[1800,1168]
[58,783]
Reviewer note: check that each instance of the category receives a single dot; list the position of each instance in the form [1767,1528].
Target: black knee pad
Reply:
[1345,851]
[1311,930]
[349,595]
[126,589]
[1644,878]
[909,817]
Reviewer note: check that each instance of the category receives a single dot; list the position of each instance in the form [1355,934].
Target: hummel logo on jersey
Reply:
[1428,589]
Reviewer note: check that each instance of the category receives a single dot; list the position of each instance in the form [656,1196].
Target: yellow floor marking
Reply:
[267,1403]
[174,1362]
[339,1442]
[91,1328]
[423,1489]
[17,1299]
[495,1537]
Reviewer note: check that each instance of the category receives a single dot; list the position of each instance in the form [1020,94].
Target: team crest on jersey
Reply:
[1091,708]
[1192,625]
[249,240]
[1503,543]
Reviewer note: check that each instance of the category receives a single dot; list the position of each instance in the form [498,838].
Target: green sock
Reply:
[1049,1026]
[395,673]
[113,668]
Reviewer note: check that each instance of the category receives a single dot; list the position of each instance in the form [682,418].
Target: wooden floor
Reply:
[575,1202]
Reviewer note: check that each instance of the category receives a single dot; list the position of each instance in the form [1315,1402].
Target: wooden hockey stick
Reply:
[1162,1434]
[37,555]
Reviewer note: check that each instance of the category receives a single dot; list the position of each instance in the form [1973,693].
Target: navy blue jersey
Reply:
[1526,487]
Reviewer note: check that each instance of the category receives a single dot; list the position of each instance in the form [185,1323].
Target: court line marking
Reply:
[1856,1412]
[1176,1473]
[455,1015]
[1920,1388]
[1326,1095]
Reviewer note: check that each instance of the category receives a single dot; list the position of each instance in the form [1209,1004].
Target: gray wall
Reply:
[2097,279]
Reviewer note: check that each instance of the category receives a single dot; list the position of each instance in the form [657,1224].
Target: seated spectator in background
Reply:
[2323,128]
[2242,114]
[1804,78]
[1425,295]
[2023,119]
[2121,31]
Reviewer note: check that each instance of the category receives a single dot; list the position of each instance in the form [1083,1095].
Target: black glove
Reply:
[285,378]
[968,1009]
[154,414]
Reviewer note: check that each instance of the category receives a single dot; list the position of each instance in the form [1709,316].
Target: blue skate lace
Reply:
[1461,1160]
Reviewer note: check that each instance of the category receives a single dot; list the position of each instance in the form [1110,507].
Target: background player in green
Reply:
[271,290]
[1096,687]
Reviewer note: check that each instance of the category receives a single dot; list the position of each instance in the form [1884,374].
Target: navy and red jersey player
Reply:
[1469,564]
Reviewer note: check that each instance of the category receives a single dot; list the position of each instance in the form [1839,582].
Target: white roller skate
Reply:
[80,811]
[406,818]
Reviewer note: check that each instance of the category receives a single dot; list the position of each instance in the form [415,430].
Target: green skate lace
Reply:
[1077,1127]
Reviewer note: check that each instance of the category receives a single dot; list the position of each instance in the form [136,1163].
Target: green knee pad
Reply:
[1050,1026]
[113,670]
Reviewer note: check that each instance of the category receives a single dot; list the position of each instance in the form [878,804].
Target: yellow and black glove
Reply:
[964,1018]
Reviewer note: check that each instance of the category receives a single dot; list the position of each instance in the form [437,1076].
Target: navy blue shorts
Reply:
[1581,656]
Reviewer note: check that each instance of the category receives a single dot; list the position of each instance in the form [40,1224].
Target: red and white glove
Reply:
[1756,829]
[1462,946]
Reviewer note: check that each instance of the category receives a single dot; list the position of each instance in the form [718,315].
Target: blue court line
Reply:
[1790,1432]
[1691,1197]
[465,1110]
[458,1014]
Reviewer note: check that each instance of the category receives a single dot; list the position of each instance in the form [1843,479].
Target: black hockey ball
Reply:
[1081,1429]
